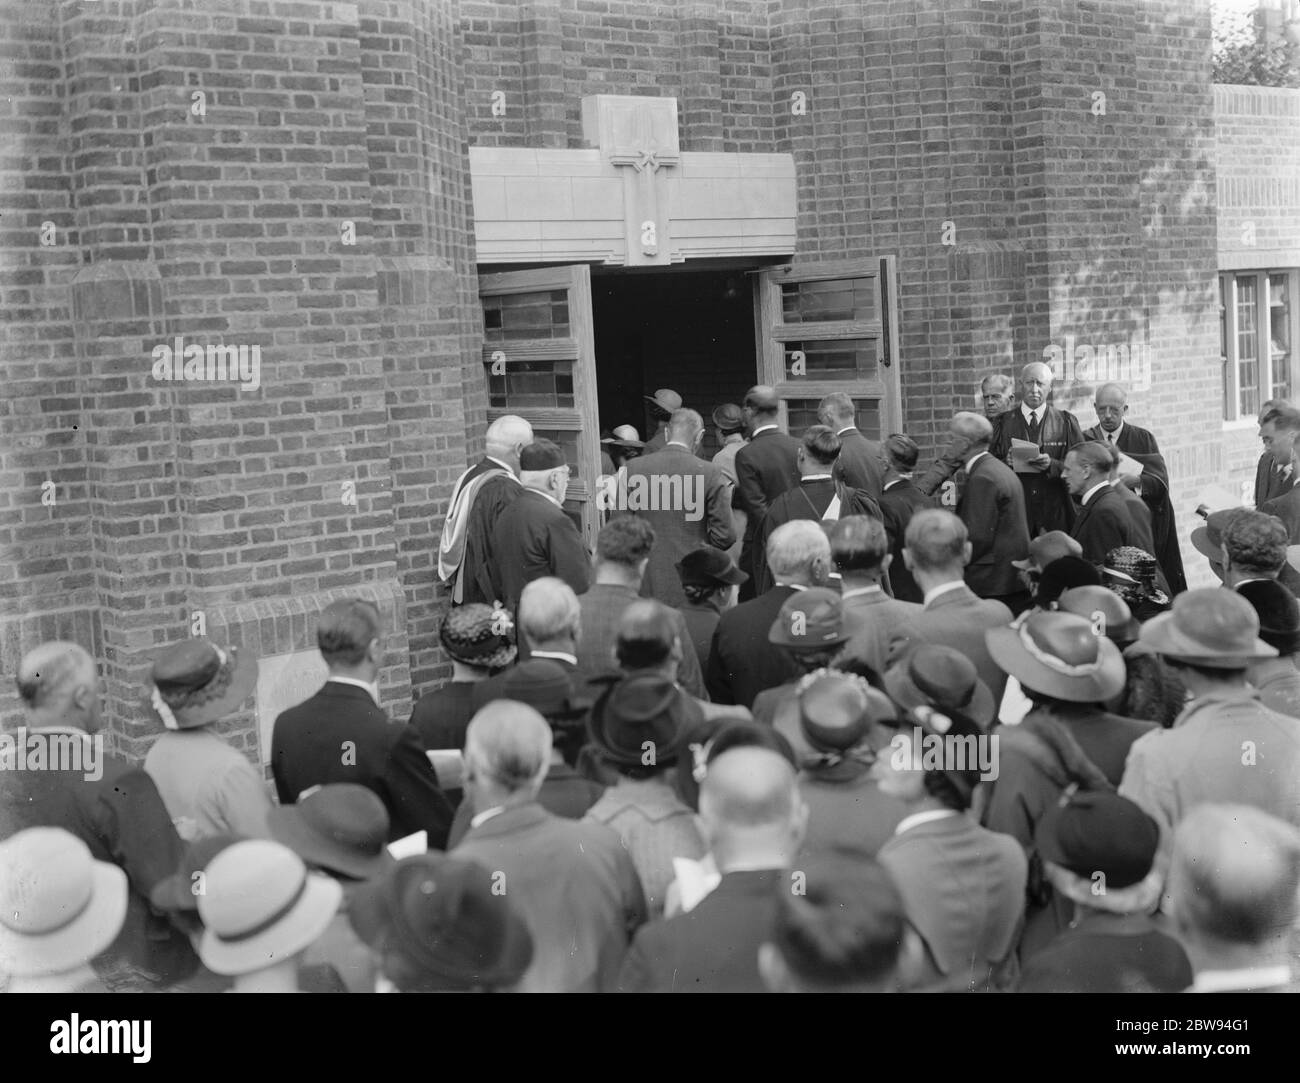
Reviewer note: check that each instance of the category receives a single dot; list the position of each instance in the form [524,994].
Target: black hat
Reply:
[440,914]
[709,567]
[1062,574]
[941,677]
[644,715]
[478,635]
[541,455]
[1279,613]
[837,710]
[1097,831]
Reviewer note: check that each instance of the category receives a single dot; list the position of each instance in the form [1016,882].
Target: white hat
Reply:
[260,906]
[59,907]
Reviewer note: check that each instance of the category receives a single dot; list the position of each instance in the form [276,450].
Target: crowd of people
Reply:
[842,725]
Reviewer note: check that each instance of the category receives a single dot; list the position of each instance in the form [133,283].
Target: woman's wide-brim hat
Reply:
[59,907]
[195,682]
[1059,655]
[262,907]
[1211,627]
[940,677]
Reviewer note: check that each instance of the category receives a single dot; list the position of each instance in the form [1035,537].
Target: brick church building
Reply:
[270,266]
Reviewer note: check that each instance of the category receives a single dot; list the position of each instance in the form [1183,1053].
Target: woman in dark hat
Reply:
[709,580]
[478,639]
[1131,573]
[1067,739]
[637,726]
[1059,576]
[1277,680]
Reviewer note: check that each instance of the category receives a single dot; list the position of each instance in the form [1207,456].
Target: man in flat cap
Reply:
[534,537]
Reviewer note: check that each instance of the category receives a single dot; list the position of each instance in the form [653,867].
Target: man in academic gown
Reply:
[534,537]
[1140,445]
[465,554]
[1054,432]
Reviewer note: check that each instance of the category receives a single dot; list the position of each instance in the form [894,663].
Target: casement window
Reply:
[1257,335]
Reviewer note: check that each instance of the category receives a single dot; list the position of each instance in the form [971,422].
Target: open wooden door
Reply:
[827,327]
[539,357]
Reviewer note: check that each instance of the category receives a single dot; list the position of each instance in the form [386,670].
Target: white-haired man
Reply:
[571,880]
[1053,432]
[742,662]
[481,494]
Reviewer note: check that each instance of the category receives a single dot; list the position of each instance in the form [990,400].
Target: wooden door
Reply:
[539,358]
[829,327]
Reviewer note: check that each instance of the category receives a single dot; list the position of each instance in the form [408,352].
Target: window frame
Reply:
[1228,294]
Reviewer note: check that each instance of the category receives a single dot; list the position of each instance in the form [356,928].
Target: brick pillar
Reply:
[541,29]
[701,104]
[427,289]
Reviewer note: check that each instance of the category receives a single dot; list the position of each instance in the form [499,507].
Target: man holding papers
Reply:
[1138,447]
[1032,439]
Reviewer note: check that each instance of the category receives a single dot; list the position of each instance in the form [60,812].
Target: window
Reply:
[1257,334]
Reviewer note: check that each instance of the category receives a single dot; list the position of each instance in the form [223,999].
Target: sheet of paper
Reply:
[1129,467]
[409,845]
[1216,498]
[1021,452]
[449,764]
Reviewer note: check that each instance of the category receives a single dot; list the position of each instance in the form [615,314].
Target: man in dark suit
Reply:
[1053,432]
[481,494]
[685,499]
[992,506]
[937,550]
[1113,428]
[899,501]
[624,548]
[1104,521]
[860,465]
[341,734]
[572,880]
[548,625]
[754,821]
[742,662]
[114,808]
[1274,473]
[860,553]
[533,536]
[818,497]
[765,468]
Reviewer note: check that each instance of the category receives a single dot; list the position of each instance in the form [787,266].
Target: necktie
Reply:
[1110,438]
[1033,425]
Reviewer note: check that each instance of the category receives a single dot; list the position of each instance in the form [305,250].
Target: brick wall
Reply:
[219,160]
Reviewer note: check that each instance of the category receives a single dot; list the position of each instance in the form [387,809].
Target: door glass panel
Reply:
[1279,333]
[836,359]
[532,385]
[802,413]
[1248,345]
[1223,349]
[838,299]
[512,316]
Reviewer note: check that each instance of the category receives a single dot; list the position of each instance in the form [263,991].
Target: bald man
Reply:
[115,809]
[572,880]
[992,506]
[1234,886]
[754,821]
[1114,429]
[1053,432]
[481,493]
[765,468]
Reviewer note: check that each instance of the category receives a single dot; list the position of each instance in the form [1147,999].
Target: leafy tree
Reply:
[1245,56]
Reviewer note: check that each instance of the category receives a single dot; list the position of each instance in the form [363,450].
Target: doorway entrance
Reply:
[688,330]
[574,349]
